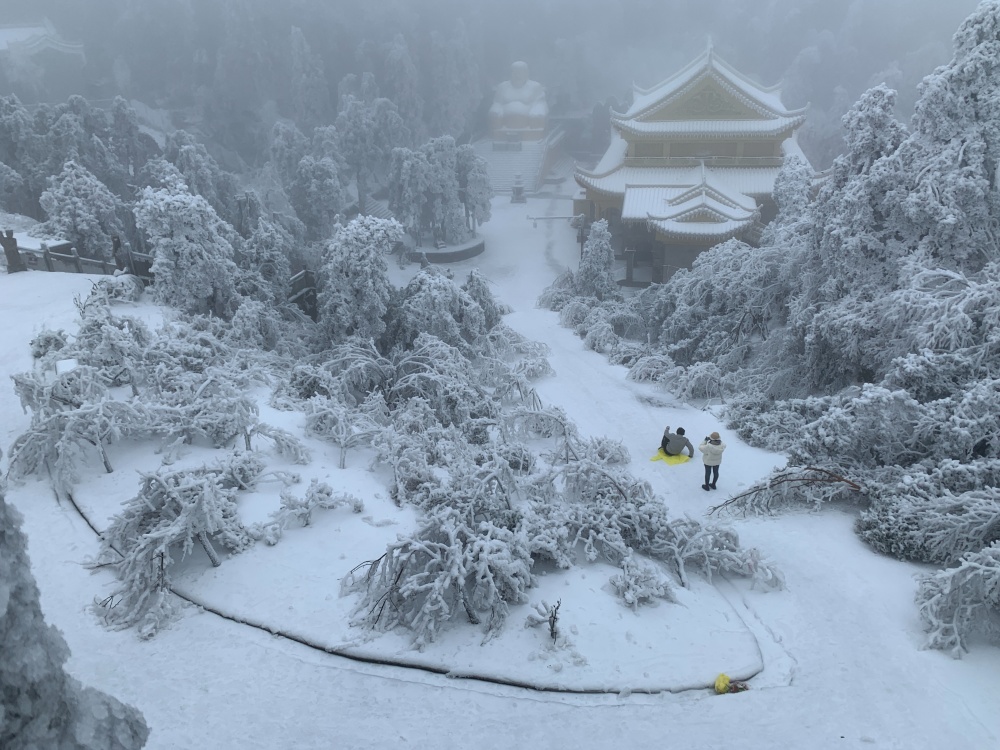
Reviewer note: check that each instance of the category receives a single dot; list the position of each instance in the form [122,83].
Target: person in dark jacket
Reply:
[711,453]
[674,443]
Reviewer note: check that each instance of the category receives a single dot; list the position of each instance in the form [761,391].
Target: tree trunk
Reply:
[104,457]
[209,549]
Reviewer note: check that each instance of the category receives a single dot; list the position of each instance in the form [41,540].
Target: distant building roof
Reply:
[766,100]
[32,38]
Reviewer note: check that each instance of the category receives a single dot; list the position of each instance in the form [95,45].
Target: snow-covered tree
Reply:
[454,82]
[595,277]
[82,210]
[409,187]
[450,566]
[40,704]
[344,425]
[310,91]
[444,211]
[287,147]
[369,131]
[130,145]
[355,289]
[401,85]
[192,251]
[477,287]
[264,264]
[432,303]
[949,205]
[72,418]
[474,189]
[317,195]
[203,175]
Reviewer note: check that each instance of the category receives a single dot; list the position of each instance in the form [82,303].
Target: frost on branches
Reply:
[962,603]
[41,706]
[861,336]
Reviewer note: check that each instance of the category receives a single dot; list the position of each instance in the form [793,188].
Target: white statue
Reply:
[519,104]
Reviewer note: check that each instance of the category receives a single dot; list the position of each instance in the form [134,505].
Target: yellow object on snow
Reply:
[672,460]
[722,684]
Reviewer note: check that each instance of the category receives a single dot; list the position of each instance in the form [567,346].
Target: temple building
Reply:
[692,163]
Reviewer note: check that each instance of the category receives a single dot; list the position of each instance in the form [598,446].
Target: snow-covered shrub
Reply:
[319,495]
[545,614]
[639,582]
[41,706]
[449,566]
[345,426]
[123,287]
[172,510]
[699,381]
[284,442]
[548,423]
[960,603]
[116,345]
[602,512]
[477,287]
[652,368]
[46,342]
[559,293]
[933,513]
[575,311]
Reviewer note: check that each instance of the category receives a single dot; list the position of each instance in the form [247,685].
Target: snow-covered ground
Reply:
[835,658]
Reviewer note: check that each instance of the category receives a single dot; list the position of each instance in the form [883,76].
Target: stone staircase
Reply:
[505,165]
[378,208]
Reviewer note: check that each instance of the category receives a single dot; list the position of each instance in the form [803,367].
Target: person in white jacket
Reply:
[711,453]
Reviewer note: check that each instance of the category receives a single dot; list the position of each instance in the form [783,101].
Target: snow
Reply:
[834,660]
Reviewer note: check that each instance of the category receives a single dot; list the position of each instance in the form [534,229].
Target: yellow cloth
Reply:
[722,684]
[672,460]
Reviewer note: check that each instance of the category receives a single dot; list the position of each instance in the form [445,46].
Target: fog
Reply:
[230,61]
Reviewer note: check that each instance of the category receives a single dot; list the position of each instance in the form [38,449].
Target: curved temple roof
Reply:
[711,198]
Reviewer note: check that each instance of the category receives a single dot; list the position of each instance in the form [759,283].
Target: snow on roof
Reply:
[710,128]
[34,37]
[614,156]
[710,208]
[792,147]
[764,99]
[729,180]
[701,229]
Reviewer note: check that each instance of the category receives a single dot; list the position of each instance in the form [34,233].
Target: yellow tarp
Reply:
[672,460]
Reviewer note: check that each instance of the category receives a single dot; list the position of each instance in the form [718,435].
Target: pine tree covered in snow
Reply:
[82,210]
[355,290]
[192,250]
